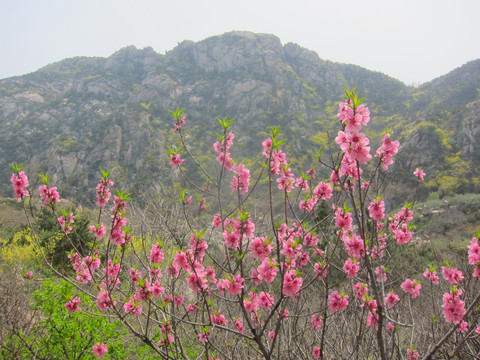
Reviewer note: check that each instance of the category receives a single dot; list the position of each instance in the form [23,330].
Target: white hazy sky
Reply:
[411,40]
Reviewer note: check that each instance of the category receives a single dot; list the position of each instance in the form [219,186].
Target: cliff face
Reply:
[76,116]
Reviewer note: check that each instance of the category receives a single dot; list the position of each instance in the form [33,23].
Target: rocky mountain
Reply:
[76,116]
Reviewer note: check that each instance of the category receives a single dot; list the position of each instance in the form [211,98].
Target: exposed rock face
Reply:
[471,129]
[82,114]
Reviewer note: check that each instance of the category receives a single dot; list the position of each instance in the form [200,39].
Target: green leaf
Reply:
[122,196]
[276,144]
[16,168]
[320,151]
[177,113]
[44,178]
[105,174]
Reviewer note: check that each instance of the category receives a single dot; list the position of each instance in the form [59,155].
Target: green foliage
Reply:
[58,334]
[56,243]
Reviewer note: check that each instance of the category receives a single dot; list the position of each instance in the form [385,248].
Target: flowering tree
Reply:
[281,282]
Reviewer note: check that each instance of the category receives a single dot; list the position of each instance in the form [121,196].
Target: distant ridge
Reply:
[73,117]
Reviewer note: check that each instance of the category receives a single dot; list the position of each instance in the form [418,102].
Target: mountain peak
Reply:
[130,59]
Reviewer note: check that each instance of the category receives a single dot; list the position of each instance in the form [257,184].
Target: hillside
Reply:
[76,116]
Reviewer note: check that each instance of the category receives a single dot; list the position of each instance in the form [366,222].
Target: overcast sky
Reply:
[412,40]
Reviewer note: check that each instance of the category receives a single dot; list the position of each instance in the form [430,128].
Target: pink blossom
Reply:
[310,240]
[19,182]
[411,287]
[99,350]
[267,148]
[117,234]
[387,151]
[347,167]
[286,180]
[131,307]
[203,337]
[377,210]
[391,299]
[351,118]
[419,173]
[191,308]
[49,195]
[453,276]
[291,249]
[218,318]
[225,160]
[265,300]
[402,235]
[351,268]
[354,246]
[217,221]
[284,314]
[413,354]
[156,255]
[311,172]
[103,300]
[135,275]
[321,270]
[323,191]
[175,160]
[403,216]
[345,112]
[98,230]
[291,283]
[178,300]
[241,180]
[343,220]
[301,183]
[271,335]
[233,284]
[260,247]
[431,275]
[372,320]
[307,204]
[252,303]
[474,252]
[181,260]
[463,328]
[278,160]
[361,289]
[337,302]
[316,352]
[222,148]
[103,192]
[316,322]
[72,305]
[453,307]
[354,145]
[196,282]
[247,227]
[232,238]
[237,322]
[66,223]
[111,272]
[266,271]
[157,289]
[198,247]
[166,340]
[381,273]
